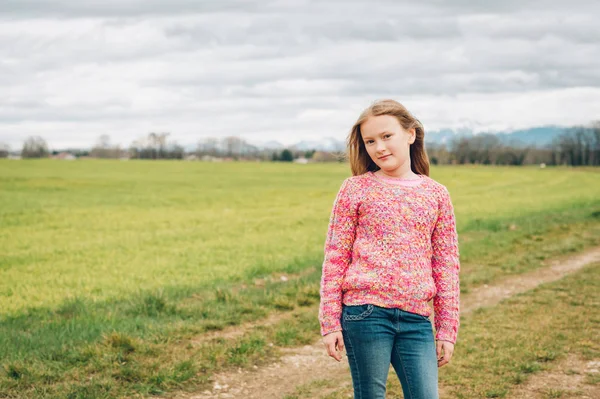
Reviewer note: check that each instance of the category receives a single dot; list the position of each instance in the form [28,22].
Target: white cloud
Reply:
[289,70]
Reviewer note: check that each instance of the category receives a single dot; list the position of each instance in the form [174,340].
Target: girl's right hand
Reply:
[334,342]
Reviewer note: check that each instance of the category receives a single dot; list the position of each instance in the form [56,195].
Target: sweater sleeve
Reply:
[445,267]
[338,255]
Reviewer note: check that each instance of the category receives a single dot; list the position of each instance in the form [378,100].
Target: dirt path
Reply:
[489,295]
[300,366]
[568,379]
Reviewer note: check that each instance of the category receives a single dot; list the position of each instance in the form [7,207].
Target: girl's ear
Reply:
[413,135]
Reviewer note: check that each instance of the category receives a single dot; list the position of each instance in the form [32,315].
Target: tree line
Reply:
[576,146]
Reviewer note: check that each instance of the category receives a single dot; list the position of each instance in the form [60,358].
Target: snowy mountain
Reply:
[269,145]
[536,136]
[326,144]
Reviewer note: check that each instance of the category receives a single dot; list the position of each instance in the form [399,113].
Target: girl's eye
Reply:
[388,135]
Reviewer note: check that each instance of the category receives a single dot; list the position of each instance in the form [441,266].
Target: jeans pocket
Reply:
[415,316]
[422,317]
[426,318]
[357,312]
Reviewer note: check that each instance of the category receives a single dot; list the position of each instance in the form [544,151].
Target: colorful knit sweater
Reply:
[392,246]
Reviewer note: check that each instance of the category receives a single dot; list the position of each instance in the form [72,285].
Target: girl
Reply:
[391,247]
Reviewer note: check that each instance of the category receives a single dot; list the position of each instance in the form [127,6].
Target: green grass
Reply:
[159,252]
[105,229]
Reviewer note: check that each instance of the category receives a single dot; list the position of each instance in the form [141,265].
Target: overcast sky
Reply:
[71,70]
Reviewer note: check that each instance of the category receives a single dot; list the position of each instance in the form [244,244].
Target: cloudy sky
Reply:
[71,70]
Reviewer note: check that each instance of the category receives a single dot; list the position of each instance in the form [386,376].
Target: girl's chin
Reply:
[387,166]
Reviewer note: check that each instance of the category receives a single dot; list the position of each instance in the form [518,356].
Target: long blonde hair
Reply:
[361,162]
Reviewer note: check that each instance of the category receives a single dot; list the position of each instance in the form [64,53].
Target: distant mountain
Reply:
[536,136]
[444,136]
[307,145]
[266,145]
[326,144]
[271,145]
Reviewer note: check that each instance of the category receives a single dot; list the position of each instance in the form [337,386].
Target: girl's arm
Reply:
[446,265]
[338,255]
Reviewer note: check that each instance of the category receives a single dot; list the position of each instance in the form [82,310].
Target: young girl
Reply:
[391,247]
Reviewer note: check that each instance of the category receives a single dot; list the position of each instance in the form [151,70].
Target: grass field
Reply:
[109,268]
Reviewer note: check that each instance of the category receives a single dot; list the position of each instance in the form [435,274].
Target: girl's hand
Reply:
[334,342]
[448,348]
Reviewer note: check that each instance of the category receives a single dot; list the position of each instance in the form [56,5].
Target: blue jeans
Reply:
[375,337]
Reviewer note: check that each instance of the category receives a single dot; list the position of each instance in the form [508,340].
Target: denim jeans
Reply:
[375,337]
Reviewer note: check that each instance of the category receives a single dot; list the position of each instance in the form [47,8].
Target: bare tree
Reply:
[104,149]
[461,150]
[157,143]
[155,146]
[174,151]
[208,146]
[233,146]
[486,149]
[578,146]
[35,147]
[4,150]
[595,143]
[438,153]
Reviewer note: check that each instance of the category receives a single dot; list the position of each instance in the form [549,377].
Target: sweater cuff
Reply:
[328,327]
[446,332]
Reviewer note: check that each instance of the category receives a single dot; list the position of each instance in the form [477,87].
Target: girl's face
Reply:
[387,143]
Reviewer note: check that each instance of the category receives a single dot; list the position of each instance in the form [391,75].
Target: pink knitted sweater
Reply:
[393,246]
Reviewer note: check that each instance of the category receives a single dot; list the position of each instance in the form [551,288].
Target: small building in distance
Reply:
[210,158]
[301,160]
[65,156]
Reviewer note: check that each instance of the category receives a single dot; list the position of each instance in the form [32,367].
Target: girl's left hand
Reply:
[447,348]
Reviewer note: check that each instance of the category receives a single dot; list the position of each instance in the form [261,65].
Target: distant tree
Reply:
[35,147]
[275,157]
[485,147]
[461,150]
[208,146]
[175,151]
[158,144]
[595,144]
[323,156]
[4,150]
[78,152]
[309,154]
[103,148]
[578,146]
[233,145]
[438,154]
[286,156]
[155,146]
